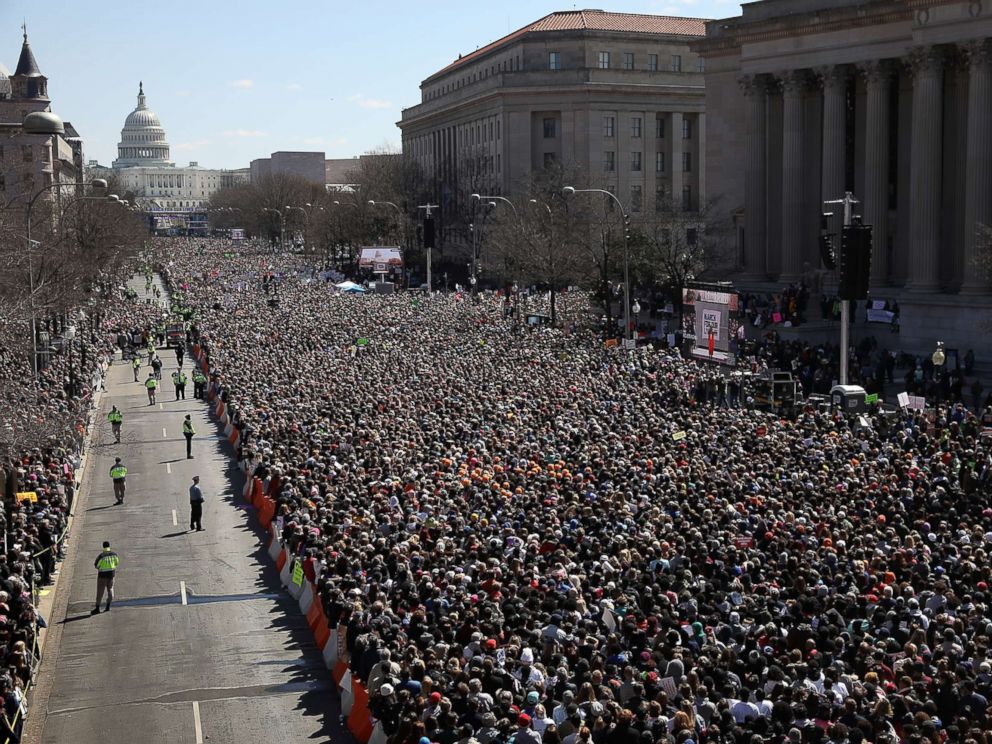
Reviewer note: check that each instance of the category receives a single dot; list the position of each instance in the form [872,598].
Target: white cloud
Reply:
[244,133]
[191,145]
[294,87]
[245,83]
[370,103]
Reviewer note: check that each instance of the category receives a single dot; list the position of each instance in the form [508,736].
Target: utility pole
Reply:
[845,305]
[428,240]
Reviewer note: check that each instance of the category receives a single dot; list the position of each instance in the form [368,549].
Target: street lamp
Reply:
[479,197]
[282,226]
[568,191]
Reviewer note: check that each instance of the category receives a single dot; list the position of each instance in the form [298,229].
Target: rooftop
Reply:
[593,20]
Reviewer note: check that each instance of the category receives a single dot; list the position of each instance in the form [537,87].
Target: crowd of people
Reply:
[529,537]
[41,444]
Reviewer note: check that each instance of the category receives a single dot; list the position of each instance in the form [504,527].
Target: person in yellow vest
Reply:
[179,379]
[136,365]
[106,567]
[199,384]
[118,474]
[188,432]
[151,384]
[116,418]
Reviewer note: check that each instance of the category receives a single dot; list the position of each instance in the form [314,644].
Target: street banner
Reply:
[881,316]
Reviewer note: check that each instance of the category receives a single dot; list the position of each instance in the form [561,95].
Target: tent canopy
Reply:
[350,287]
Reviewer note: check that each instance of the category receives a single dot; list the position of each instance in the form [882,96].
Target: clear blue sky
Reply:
[234,80]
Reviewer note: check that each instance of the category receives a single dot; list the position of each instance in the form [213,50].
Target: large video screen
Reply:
[711,323]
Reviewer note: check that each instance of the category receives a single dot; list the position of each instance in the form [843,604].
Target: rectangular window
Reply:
[549,128]
[676,63]
[659,199]
[549,159]
[609,161]
[686,198]
[700,64]
[628,60]
[554,60]
[687,162]
[659,128]
[653,62]
[604,60]
[635,198]
[26,153]
[609,126]
[635,126]
[659,162]
[635,161]
[686,129]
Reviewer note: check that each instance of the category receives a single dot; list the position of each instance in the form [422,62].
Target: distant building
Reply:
[31,162]
[337,173]
[308,165]
[144,169]
[616,95]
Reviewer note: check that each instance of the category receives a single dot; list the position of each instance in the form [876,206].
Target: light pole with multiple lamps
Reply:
[628,334]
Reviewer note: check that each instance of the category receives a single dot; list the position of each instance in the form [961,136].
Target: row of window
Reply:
[610,162]
[610,126]
[660,198]
[604,62]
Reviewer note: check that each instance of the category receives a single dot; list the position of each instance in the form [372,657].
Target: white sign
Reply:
[903,400]
[711,324]
[917,402]
[881,316]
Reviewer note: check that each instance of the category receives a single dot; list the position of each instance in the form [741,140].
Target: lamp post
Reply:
[282,226]
[628,331]
[337,203]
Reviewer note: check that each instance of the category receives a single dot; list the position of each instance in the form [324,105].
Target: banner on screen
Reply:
[389,256]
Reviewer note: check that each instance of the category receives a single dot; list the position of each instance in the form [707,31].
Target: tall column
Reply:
[755,89]
[833,80]
[676,165]
[793,85]
[978,172]
[875,199]
[927,64]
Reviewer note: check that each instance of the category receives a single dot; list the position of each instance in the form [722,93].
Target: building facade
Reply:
[31,162]
[888,99]
[615,98]
[143,167]
[307,165]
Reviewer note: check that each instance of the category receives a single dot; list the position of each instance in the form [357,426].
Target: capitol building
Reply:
[148,176]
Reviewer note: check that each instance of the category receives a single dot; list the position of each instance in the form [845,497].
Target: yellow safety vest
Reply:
[188,427]
[151,383]
[118,472]
[108,561]
[115,417]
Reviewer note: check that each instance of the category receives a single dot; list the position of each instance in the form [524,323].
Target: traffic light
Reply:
[855,262]
[429,232]
[827,255]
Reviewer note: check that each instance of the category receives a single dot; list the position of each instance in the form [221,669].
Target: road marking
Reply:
[168,467]
[175,519]
[182,591]
[197,726]
[161,407]
[163,432]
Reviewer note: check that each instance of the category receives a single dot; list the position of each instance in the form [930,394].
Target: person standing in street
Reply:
[199,383]
[118,474]
[136,365]
[179,379]
[151,384]
[116,418]
[180,353]
[106,567]
[196,505]
[157,367]
[188,432]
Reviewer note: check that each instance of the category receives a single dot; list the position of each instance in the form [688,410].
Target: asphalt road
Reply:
[201,643]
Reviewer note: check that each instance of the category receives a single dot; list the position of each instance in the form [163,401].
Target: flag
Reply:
[362,342]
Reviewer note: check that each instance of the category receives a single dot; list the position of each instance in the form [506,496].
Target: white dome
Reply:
[142,138]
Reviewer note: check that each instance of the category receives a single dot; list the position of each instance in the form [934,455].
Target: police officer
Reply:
[199,384]
[106,566]
[179,381]
[151,384]
[118,473]
[157,366]
[136,365]
[188,432]
[196,505]
[115,418]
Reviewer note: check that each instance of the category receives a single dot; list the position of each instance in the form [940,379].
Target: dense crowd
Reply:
[532,538]
[42,437]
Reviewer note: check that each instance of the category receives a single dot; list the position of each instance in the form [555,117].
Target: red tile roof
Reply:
[593,20]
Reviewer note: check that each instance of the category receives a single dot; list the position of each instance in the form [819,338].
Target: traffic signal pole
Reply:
[845,305]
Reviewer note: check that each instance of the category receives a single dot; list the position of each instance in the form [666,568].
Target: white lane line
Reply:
[175,519]
[163,432]
[197,726]
[182,591]
[161,407]
[168,467]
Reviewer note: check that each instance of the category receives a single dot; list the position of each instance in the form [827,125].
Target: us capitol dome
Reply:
[142,138]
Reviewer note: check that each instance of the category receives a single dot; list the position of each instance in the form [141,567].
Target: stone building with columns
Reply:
[888,99]
[615,97]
